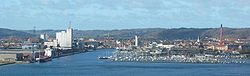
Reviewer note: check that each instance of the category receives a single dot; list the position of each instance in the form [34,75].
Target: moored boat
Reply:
[45,59]
[104,57]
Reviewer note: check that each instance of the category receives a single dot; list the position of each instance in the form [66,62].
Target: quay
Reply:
[21,56]
[44,49]
[5,63]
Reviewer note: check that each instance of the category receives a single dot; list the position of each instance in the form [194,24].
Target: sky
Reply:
[123,14]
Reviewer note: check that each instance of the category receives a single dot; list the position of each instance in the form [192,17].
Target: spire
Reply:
[198,40]
[108,35]
[69,24]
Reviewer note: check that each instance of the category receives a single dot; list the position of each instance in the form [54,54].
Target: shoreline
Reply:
[2,64]
[58,56]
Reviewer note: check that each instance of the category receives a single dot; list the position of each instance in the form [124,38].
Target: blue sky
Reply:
[123,14]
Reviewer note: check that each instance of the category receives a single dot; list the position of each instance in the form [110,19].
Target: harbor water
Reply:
[88,64]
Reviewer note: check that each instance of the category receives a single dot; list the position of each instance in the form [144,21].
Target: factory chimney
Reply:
[221,35]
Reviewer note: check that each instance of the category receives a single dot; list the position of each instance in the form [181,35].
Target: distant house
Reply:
[245,47]
[92,44]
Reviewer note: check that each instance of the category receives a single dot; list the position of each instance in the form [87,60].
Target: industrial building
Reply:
[12,57]
[64,38]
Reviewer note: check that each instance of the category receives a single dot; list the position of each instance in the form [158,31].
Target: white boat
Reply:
[104,57]
[46,57]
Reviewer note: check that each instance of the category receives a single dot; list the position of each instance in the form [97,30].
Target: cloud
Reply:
[130,14]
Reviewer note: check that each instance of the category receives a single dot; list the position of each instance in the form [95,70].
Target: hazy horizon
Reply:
[127,28]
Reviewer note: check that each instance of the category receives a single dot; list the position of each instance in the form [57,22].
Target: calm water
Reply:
[87,64]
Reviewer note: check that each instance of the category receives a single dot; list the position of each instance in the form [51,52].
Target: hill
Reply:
[5,33]
[158,33]
[146,33]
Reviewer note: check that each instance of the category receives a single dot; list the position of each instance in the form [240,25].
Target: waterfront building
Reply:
[19,54]
[11,56]
[64,38]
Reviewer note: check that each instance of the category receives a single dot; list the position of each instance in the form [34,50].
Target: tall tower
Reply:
[65,38]
[136,40]
[69,36]
[221,35]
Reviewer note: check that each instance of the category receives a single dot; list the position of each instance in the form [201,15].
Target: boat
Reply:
[44,59]
[104,57]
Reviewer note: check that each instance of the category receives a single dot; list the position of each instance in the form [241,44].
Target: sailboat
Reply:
[104,57]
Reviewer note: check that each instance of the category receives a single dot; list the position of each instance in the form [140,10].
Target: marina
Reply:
[156,53]
[133,56]
[124,38]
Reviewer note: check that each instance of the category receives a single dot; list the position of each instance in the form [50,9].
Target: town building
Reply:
[44,37]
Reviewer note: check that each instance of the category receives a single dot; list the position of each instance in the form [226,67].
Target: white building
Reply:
[45,37]
[52,43]
[64,38]
[136,40]
[165,46]
[42,36]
